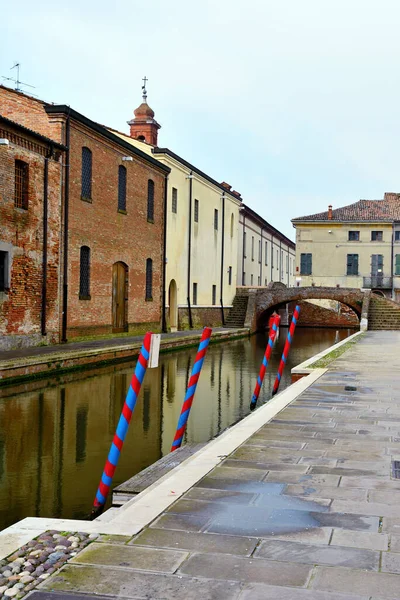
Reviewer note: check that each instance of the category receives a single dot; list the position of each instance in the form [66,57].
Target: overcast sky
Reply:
[295,103]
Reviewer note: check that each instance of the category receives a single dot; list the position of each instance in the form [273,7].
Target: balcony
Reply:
[378,282]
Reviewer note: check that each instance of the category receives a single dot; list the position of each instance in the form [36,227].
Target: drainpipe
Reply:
[45,224]
[164,271]
[392,270]
[261,245]
[66,216]
[222,259]
[280,261]
[189,249]
[272,257]
[243,248]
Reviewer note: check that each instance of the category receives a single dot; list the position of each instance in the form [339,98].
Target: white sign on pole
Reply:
[154,350]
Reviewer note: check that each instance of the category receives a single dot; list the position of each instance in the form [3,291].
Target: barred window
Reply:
[21,184]
[86,192]
[84,281]
[149,279]
[214,295]
[230,275]
[150,200]
[196,211]
[174,200]
[121,188]
[194,293]
[216,219]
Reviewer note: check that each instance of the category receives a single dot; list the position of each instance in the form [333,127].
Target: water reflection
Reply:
[55,434]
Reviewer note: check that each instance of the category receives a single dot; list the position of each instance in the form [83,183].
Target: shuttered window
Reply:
[149,279]
[121,188]
[174,200]
[215,219]
[86,191]
[397,265]
[305,264]
[84,280]
[376,265]
[352,264]
[150,200]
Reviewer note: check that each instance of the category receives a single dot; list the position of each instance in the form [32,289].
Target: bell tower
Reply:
[143,126]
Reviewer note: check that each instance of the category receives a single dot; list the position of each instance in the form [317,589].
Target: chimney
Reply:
[237,194]
[330,212]
[226,185]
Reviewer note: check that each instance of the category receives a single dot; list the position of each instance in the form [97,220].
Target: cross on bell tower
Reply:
[143,126]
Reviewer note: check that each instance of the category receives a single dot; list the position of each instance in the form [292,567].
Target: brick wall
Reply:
[112,237]
[21,236]
[312,315]
[201,317]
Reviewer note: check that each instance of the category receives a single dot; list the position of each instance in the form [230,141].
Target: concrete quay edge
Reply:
[149,504]
[20,369]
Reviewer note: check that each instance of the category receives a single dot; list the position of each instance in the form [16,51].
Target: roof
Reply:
[263,223]
[386,210]
[32,133]
[64,109]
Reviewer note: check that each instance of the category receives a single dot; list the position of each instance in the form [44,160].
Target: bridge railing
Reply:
[378,281]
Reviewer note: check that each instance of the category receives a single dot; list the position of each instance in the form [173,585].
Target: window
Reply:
[150,201]
[86,191]
[21,184]
[265,281]
[376,236]
[174,200]
[214,295]
[149,279]
[259,251]
[266,253]
[215,219]
[287,263]
[397,265]
[122,188]
[376,265]
[352,264]
[251,279]
[277,259]
[272,256]
[252,247]
[3,271]
[194,293]
[305,264]
[354,236]
[230,275]
[196,211]
[84,280]
[259,280]
[244,244]
[244,278]
[232,224]
[397,236]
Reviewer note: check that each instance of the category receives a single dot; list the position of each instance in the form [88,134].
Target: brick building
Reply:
[30,236]
[112,226]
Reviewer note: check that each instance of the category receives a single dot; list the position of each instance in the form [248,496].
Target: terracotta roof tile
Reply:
[386,210]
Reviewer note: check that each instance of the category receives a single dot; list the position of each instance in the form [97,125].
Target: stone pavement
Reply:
[308,508]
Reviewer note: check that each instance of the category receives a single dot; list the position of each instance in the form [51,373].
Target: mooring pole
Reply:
[122,427]
[191,389]
[286,349]
[272,335]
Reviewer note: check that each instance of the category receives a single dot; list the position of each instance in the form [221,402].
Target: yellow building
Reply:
[201,228]
[356,246]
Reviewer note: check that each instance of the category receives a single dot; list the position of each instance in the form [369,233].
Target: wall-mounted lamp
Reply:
[4,142]
[330,231]
[127,158]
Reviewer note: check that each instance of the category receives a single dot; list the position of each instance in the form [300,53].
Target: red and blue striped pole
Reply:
[191,389]
[272,335]
[286,349]
[122,427]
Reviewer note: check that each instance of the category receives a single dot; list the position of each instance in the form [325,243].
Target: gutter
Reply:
[66,217]
[189,248]
[261,254]
[243,249]
[222,259]
[45,229]
[164,269]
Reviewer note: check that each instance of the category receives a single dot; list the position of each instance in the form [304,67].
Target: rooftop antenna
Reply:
[17,81]
[144,91]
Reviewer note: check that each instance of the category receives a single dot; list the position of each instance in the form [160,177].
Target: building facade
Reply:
[356,246]
[30,236]
[264,253]
[202,218]
[111,224]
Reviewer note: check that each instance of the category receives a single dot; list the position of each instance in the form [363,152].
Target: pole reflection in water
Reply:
[55,433]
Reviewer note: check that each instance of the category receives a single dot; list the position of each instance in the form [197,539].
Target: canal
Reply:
[55,433]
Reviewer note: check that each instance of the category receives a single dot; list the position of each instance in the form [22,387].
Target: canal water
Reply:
[55,434]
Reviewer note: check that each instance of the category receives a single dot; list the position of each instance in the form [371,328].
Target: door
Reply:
[119,297]
[173,306]
[376,270]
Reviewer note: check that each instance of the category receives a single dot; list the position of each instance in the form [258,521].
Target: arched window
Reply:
[150,200]
[21,184]
[84,280]
[149,279]
[121,188]
[232,224]
[86,191]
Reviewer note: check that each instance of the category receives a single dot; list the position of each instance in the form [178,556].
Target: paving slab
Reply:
[339,579]
[357,539]
[258,591]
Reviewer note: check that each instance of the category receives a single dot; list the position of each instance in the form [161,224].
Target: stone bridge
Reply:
[262,302]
